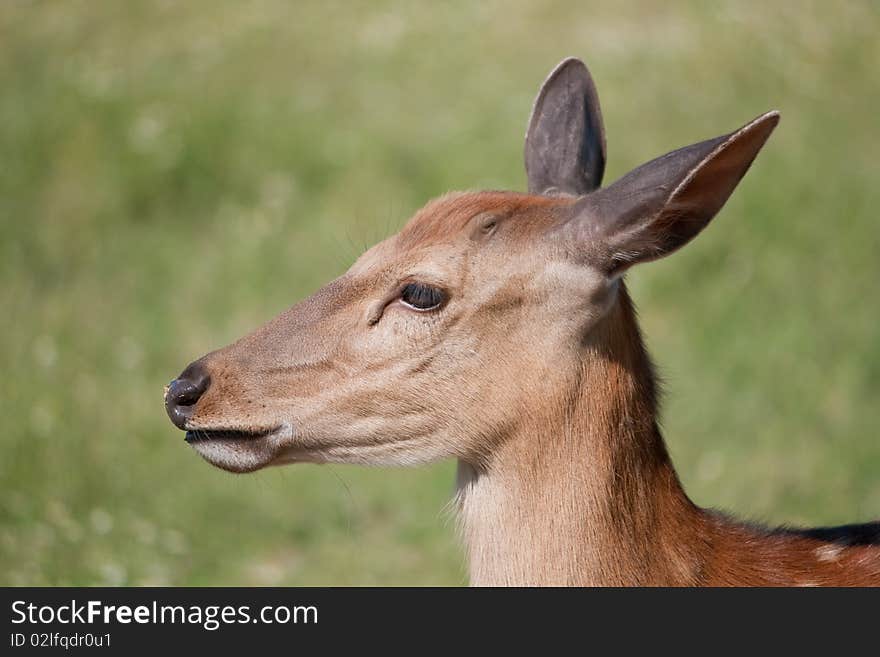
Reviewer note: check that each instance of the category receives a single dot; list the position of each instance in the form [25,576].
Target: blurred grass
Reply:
[173,174]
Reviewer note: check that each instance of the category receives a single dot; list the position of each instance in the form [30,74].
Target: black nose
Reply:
[183,393]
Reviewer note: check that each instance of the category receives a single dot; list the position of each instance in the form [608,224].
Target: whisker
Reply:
[353,505]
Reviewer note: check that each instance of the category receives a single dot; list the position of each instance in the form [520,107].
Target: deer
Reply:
[496,329]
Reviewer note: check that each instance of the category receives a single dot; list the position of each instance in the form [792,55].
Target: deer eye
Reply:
[421,297]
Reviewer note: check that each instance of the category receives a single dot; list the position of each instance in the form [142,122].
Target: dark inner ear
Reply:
[662,205]
[565,142]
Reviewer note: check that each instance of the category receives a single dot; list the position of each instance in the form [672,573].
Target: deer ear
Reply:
[565,141]
[662,205]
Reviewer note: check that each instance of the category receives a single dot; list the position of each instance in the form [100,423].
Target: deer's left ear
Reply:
[662,205]
[565,141]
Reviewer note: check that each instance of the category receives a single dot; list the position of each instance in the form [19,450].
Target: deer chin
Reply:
[239,451]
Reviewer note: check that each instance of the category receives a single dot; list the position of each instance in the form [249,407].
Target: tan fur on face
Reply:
[359,378]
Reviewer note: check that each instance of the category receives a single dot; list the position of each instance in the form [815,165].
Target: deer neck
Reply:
[582,491]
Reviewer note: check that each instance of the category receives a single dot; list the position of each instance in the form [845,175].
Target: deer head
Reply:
[439,341]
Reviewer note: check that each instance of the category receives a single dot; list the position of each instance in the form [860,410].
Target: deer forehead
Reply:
[441,234]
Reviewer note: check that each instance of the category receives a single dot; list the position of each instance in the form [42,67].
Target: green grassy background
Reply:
[174,174]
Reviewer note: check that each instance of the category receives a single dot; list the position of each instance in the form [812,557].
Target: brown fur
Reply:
[531,371]
[571,483]
[598,464]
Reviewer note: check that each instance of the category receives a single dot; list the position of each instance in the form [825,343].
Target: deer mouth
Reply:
[206,435]
[239,450]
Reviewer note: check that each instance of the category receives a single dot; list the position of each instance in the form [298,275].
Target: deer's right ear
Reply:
[565,141]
